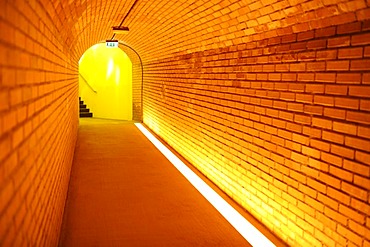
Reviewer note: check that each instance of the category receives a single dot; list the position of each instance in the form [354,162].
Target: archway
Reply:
[105,82]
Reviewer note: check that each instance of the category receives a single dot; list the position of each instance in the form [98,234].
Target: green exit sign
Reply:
[111,43]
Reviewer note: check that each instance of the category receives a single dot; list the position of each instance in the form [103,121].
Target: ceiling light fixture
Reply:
[120,30]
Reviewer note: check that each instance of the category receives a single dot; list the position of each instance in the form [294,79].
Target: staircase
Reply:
[84,111]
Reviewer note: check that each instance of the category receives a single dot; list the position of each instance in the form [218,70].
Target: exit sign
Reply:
[111,43]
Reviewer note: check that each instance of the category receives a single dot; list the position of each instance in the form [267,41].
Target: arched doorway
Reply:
[105,82]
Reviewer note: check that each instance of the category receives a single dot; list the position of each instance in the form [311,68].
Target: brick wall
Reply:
[38,124]
[278,116]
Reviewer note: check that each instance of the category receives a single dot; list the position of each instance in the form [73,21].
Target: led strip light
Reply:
[244,227]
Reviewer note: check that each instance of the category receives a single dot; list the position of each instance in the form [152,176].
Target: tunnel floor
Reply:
[124,192]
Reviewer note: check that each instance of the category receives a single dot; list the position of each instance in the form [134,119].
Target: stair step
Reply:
[86,114]
[84,110]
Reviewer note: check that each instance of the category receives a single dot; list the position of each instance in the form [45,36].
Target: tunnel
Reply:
[268,99]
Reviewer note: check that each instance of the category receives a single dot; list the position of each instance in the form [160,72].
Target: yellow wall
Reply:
[109,72]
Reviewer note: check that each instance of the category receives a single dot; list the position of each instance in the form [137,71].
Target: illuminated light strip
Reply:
[244,227]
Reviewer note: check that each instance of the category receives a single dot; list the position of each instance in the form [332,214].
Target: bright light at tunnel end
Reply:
[244,227]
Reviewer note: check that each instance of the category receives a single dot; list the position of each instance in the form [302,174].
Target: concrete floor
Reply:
[123,192]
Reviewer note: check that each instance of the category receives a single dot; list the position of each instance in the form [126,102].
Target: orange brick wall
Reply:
[280,118]
[38,124]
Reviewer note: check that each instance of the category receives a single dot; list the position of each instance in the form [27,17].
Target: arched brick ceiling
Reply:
[162,28]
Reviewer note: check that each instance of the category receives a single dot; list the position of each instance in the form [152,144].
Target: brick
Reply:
[365,105]
[5,147]
[325,32]
[358,117]
[289,38]
[339,42]
[358,143]
[366,78]
[339,196]
[334,113]
[362,182]
[363,132]
[360,65]
[354,191]
[362,14]
[320,187]
[345,152]
[315,88]
[347,103]
[312,132]
[332,159]
[337,65]
[306,56]
[317,164]
[10,119]
[326,55]
[297,67]
[304,98]
[362,157]
[325,77]
[316,44]
[359,91]
[324,100]
[305,77]
[360,39]
[301,27]
[314,110]
[352,78]
[15,96]
[350,53]
[333,137]
[367,51]
[341,173]
[349,28]
[356,167]
[336,89]
[360,206]
[4,100]
[305,35]
[307,190]
[316,66]
[322,123]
